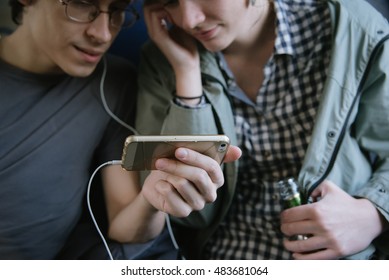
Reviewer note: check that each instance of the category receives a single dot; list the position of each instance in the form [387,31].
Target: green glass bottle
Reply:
[289,192]
[290,196]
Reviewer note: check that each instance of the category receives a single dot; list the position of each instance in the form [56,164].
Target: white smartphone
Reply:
[141,151]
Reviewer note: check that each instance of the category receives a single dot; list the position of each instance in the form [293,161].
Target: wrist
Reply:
[188,97]
[378,223]
[189,100]
[147,205]
[189,88]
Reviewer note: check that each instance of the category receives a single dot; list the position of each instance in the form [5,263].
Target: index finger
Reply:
[186,163]
[298,213]
[199,160]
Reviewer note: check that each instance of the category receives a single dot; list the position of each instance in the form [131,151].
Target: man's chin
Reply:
[81,71]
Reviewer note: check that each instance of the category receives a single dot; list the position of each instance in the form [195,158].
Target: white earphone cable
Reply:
[116,162]
[103,99]
[113,162]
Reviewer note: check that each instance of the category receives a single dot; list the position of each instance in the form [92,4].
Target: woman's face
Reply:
[215,23]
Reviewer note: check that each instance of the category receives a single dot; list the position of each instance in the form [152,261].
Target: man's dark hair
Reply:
[16,11]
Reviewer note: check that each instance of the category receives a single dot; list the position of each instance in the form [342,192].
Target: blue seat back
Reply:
[130,40]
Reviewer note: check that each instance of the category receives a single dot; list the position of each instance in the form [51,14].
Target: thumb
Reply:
[233,153]
[322,190]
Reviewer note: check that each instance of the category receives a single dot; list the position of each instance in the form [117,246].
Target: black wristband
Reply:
[188,98]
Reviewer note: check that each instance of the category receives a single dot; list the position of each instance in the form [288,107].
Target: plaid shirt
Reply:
[274,131]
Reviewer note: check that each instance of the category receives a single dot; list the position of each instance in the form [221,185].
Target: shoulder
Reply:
[120,66]
[116,72]
[154,69]
[361,14]
[152,57]
[115,78]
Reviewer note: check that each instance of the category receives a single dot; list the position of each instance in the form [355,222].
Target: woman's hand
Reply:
[178,46]
[337,224]
[184,185]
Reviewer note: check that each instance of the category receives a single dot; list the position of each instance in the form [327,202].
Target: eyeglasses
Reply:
[120,15]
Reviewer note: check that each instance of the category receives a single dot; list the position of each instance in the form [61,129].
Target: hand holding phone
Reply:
[141,152]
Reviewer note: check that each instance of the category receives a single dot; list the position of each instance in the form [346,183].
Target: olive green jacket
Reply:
[352,120]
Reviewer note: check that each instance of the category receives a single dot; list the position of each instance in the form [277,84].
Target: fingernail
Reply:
[160,164]
[181,153]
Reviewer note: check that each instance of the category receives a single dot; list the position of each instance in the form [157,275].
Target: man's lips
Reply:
[90,55]
[90,51]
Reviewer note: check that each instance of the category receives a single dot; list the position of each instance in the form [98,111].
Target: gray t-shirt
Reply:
[54,131]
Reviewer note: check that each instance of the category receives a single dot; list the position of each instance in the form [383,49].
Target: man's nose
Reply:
[100,29]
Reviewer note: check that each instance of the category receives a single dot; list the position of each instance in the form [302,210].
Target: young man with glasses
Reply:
[55,130]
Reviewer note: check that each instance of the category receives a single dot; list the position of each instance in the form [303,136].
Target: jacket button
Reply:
[331,134]
[266,154]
